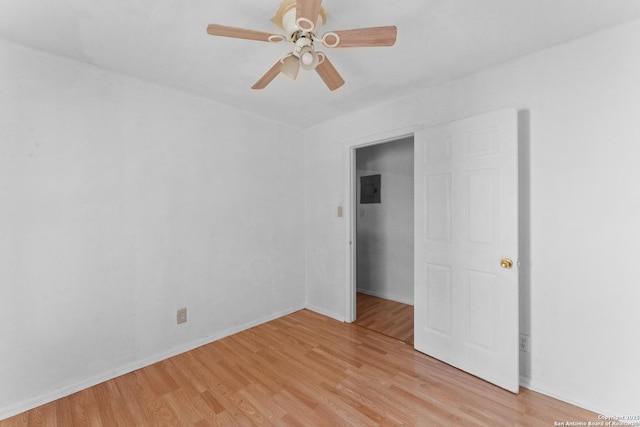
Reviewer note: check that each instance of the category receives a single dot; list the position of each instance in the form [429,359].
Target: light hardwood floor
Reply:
[301,370]
[390,318]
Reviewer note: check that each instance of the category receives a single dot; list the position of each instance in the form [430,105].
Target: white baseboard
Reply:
[325,312]
[538,387]
[90,382]
[387,295]
[27,405]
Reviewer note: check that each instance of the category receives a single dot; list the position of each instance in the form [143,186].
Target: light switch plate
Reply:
[525,343]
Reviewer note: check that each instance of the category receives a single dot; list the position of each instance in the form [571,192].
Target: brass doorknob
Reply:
[506,263]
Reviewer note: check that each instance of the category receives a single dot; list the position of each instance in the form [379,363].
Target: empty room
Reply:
[184,186]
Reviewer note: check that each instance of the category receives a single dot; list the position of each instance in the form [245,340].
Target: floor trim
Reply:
[43,399]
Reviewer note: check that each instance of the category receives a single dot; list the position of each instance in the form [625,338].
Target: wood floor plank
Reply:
[301,370]
[387,317]
[185,407]
[43,416]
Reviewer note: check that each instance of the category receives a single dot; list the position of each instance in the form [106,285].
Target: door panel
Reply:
[466,304]
[439,298]
[438,207]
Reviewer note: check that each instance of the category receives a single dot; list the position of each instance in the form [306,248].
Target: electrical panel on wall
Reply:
[370,187]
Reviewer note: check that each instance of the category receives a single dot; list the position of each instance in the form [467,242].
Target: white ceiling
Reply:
[165,41]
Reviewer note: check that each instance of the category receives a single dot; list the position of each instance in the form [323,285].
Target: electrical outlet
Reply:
[525,343]
[182,316]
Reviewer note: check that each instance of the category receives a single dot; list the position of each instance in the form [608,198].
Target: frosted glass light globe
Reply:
[307,58]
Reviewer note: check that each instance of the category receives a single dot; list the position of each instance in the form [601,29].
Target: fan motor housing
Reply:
[285,18]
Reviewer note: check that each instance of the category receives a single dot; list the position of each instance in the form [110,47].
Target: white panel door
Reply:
[466,223]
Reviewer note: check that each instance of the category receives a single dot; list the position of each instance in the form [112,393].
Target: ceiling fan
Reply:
[300,19]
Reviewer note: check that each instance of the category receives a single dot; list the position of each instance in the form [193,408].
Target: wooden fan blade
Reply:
[307,12]
[241,33]
[329,74]
[268,77]
[362,37]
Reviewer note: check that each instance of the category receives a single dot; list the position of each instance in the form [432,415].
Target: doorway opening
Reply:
[383,237]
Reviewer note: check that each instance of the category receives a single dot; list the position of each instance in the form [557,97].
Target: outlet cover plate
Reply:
[182,316]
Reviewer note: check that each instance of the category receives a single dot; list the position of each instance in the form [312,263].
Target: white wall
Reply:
[580,105]
[384,231]
[122,201]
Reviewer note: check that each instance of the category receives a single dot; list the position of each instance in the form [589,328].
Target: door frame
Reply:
[350,211]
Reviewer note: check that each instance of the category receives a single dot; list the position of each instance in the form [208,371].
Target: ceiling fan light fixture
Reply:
[290,66]
[308,58]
